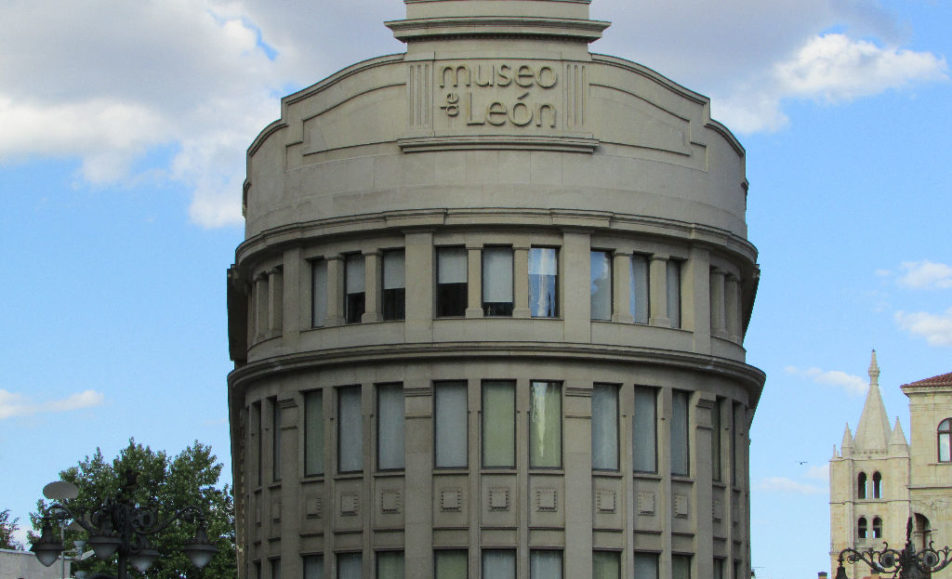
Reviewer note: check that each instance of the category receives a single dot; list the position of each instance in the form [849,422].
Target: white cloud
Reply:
[926,275]
[935,328]
[839,379]
[13,404]
[779,484]
[821,473]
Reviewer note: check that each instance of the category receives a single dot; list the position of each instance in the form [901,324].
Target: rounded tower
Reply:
[488,317]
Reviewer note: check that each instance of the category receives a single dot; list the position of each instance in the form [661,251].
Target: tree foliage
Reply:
[7,530]
[169,485]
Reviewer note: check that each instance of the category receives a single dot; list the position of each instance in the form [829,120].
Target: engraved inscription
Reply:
[500,94]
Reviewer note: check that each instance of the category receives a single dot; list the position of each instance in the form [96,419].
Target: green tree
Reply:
[168,485]
[7,529]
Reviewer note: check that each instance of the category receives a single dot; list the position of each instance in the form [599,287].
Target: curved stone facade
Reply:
[489,314]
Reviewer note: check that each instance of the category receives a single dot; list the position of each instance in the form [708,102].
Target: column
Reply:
[474,290]
[575,287]
[260,303]
[578,480]
[418,546]
[696,298]
[621,287]
[372,287]
[658,291]
[275,301]
[420,277]
[718,305]
[733,314]
[520,266]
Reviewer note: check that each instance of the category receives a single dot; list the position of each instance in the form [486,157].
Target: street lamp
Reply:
[905,564]
[121,526]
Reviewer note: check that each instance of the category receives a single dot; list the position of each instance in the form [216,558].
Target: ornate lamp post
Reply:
[905,564]
[124,527]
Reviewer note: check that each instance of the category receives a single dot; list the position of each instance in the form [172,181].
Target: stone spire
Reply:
[873,432]
[897,441]
[846,446]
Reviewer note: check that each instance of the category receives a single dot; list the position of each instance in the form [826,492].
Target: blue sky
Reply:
[122,134]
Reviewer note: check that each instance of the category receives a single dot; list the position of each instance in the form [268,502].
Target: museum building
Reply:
[488,317]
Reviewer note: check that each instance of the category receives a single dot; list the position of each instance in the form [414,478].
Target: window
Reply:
[680,567]
[644,430]
[390,565]
[497,281]
[606,565]
[877,528]
[605,427]
[350,443]
[353,288]
[877,485]
[719,565]
[318,293]
[545,564]
[259,443]
[275,440]
[638,298]
[545,424]
[313,567]
[349,566]
[314,433]
[394,285]
[499,425]
[451,564]
[451,267]
[543,282]
[390,437]
[275,568]
[680,454]
[601,285]
[450,425]
[499,564]
[861,528]
[738,421]
[861,485]
[716,473]
[945,440]
[646,566]
[674,293]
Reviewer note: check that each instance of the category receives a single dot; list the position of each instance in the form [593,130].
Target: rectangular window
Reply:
[451,280]
[349,566]
[275,440]
[646,566]
[674,293]
[499,425]
[680,454]
[638,298]
[499,564]
[738,423]
[719,566]
[275,568]
[314,433]
[545,425]
[318,293]
[451,564]
[543,282]
[606,565]
[354,279]
[601,285]
[258,430]
[545,564]
[313,567]
[680,567]
[390,437]
[350,442]
[644,430]
[716,460]
[497,281]
[390,565]
[605,427]
[450,424]
[394,285]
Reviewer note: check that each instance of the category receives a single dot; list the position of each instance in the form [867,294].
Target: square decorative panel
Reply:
[605,500]
[499,499]
[312,507]
[349,503]
[451,500]
[546,500]
[646,503]
[681,506]
[390,501]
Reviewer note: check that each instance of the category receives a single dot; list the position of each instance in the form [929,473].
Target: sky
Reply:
[123,130]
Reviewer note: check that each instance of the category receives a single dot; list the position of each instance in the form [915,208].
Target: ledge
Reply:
[498,142]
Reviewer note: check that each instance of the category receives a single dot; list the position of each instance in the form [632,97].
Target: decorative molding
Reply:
[313,507]
[605,501]
[451,500]
[349,504]
[565,144]
[547,499]
[646,503]
[681,506]
[390,501]
[499,499]
[276,510]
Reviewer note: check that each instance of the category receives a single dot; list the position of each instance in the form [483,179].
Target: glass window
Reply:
[275,568]
[719,565]
[275,440]
[605,427]
[499,564]
[738,423]
[945,440]
[451,272]
[545,564]
[394,285]
[644,430]
[497,281]
[861,485]
[545,425]
[259,443]
[313,567]
[877,528]
[390,437]
[861,528]
[451,564]
[314,433]
[350,443]
[353,288]
[450,424]
[646,566]
[318,292]
[601,285]
[680,454]
[349,566]
[674,293]
[638,298]
[877,485]
[716,473]
[606,565]
[390,565]
[543,282]
[680,567]
[499,424]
